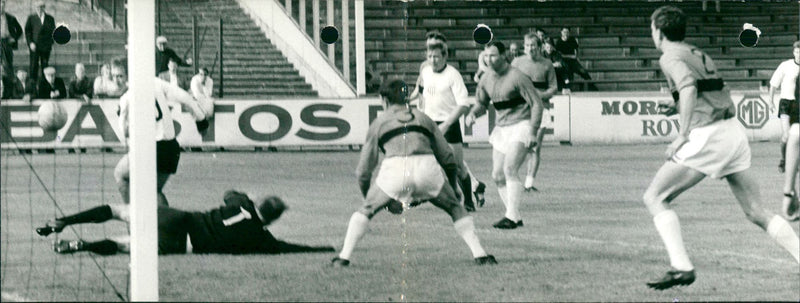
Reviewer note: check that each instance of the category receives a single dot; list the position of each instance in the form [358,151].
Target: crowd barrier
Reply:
[590,118]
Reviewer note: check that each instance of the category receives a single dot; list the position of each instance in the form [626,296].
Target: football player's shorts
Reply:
[503,138]
[716,150]
[790,108]
[168,154]
[411,178]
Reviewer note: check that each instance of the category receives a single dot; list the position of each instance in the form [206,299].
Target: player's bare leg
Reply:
[97,214]
[105,247]
[375,201]
[533,162]
[464,181]
[122,176]
[463,224]
[670,181]
[746,190]
[510,164]
[790,207]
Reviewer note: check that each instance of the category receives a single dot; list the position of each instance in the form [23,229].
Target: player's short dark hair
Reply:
[395,91]
[435,35]
[119,62]
[438,46]
[501,48]
[796,44]
[271,208]
[205,69]
[671,21]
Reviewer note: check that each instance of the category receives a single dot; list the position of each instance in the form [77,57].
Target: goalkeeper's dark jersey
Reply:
[235,228]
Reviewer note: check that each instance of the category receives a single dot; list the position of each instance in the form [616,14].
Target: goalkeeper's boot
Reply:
[673,278]
[54,226]
[67,246]
[339,262]
[479,193]
[485,260]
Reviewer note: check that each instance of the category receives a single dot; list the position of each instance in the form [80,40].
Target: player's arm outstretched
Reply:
[369,158]
[482,98]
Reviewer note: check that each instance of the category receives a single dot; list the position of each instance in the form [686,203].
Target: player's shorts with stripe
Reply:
[168,154]
[411,178]
[503,138]
[790,108]
[453,133]
[173,225]
[716,150]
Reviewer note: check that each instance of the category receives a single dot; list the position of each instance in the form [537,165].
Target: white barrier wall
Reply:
[603,118]
[610,118]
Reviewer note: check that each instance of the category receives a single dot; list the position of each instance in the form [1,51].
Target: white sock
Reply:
[782,232]
[529,181]
[669,228]
[503,194]
[355,230]
[465,227]
[514,189]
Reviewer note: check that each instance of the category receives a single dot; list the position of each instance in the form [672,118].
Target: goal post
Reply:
[142,151]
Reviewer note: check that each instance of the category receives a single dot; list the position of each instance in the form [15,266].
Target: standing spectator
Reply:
[541,34]
[513,51]
[164,54]
[784,79]
[80,87]
[171,75]
[39,33]
[550,52]
[22,87]
[202,86]
[11,32]
[568,47]
[50,87]
[104,86]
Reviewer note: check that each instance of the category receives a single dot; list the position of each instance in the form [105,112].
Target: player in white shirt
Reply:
[784,79]
[167,148]
[202,86]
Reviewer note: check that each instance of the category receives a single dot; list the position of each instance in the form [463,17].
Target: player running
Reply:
[784,78]
[543,75]
[237,227]
[519,113]
[415,152]
[710,143]
[167,148]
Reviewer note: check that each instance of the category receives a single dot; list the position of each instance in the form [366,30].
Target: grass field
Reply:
[587,236]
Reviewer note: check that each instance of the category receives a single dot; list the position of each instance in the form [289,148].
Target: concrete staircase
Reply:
[253,66]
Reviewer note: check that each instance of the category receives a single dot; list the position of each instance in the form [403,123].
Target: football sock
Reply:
[355,230]
[669,228]
[529,181]
[465,227]
[514,196]
[95,215]
[501,189]
[782,232]
[466,189]
[104,247]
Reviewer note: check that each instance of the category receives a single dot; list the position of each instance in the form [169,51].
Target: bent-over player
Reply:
[237,227]
[710,143]
[415,152]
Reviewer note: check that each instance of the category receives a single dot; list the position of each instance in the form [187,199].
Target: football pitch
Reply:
[587,235]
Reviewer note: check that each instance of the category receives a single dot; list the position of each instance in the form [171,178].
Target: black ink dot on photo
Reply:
[61,35]
[329,34]
[482,34]
[748,38]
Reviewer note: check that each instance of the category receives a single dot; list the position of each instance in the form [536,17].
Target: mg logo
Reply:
[752,112]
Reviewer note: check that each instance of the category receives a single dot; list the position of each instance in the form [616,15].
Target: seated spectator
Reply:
[202,86]
[541,34]
[513,51]
[51,87]
[21,87]
[171,75]
[549,51]
[80,87]
[568,47]
[716,4]
[104,85]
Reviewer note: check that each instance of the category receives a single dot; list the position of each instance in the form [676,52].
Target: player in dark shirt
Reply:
[237,227]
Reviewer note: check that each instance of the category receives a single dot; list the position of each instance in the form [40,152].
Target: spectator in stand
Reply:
[568,47]
[549,51]
[50,86]
[22,87]
[171,75]
[80,87]
[716,5]
[164,54]
[104,85]
[202,86]
[39,33]
[513,51]
[5,83]
[11,31]
[541,34]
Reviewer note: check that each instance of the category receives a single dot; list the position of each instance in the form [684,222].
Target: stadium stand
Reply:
[616,47]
